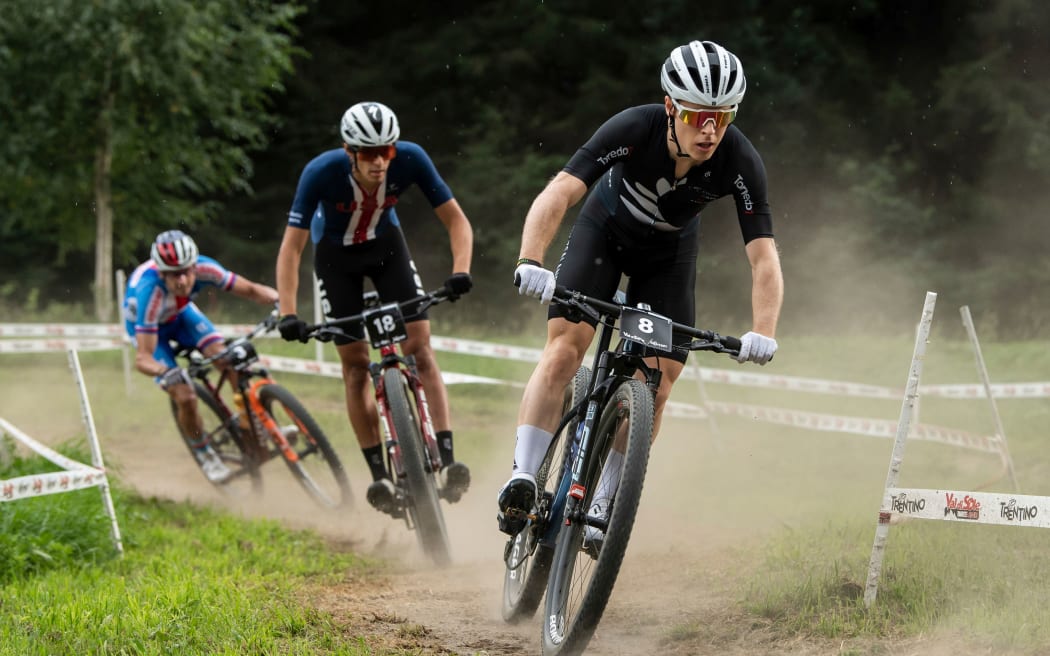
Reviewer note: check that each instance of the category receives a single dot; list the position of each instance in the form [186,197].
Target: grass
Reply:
[193,580]
[198,581]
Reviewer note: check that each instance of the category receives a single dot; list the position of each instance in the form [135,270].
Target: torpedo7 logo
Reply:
[616,153]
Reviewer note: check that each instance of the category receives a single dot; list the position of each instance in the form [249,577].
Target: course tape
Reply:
[972,507]
[335,370]
[523,354]
[857,425]
[78,475]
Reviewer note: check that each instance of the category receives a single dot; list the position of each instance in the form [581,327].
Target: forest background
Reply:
[906,143]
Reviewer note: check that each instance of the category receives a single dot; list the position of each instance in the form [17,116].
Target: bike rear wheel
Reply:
[225,438]
[310,456]
[579,586]
[421,495]
[526,558]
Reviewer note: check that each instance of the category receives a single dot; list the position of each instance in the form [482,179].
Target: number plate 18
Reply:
[385,325]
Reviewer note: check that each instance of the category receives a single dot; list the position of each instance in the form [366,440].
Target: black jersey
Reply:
[638,187]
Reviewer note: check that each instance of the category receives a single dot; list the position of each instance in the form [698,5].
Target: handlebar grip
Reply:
[731,343]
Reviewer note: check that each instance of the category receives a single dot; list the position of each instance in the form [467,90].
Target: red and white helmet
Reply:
[704,73]
[173,250]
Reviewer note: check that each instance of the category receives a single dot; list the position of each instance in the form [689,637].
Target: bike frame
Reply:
[611,368]
[261,426]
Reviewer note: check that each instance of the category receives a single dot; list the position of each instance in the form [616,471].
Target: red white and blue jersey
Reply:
[149,305]
[337,210]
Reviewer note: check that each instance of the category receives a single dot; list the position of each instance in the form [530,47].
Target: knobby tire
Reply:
[527,560]
[226,439]
[421,489]
[316,466]
[578,587]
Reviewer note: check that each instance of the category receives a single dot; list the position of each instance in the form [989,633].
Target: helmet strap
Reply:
[674,137]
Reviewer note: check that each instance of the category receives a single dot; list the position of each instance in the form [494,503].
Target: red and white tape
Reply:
[858,425]
[524,354]
[77,475]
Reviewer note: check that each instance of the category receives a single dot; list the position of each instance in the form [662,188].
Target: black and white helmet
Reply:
[704,73]
[369,124]
[173,250]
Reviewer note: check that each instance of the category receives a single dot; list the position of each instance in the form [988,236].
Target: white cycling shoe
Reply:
[215,470]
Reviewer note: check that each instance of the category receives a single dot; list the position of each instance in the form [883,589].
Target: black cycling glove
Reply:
[174,376]
[292,329]
[459,283]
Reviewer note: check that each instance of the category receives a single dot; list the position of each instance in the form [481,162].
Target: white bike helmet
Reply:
[173,250]
[704,73]
[369,124]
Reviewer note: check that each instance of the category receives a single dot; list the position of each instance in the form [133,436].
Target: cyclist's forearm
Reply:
[767,291]
[460,234]
[546,214]
[288,276]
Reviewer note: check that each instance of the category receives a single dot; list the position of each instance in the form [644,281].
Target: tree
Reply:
[134,113]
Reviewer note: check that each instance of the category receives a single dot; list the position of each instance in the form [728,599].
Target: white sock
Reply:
[530,448]
[609,481]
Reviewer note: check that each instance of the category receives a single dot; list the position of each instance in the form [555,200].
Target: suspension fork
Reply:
[393,449]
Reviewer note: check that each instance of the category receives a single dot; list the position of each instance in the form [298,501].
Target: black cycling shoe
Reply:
[382,495]
[455,481]
[515,502]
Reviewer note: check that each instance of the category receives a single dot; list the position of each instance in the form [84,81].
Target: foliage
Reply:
[183,88]
[905,144]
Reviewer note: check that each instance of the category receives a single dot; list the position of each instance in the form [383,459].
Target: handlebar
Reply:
[244,356]
[701,340]
[328,329]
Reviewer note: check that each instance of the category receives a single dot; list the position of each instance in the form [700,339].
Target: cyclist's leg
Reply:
[396,279]
[192,327]
[360,402]
[340,274]
[587,266]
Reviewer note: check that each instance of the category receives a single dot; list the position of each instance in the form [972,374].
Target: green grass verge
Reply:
[193,580]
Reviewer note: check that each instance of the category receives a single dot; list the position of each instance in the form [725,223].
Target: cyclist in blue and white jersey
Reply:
[651,170]
[345,203]
[159,310]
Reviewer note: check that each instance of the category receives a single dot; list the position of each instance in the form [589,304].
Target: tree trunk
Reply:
[104,303]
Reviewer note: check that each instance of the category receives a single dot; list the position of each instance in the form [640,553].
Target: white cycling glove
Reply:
[756,348]
[535,281]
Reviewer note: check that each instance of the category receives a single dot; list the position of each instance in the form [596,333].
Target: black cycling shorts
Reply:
[661,267]
[385,260]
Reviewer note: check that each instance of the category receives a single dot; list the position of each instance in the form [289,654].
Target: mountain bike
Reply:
[265,422]
[412,455]
[569,547]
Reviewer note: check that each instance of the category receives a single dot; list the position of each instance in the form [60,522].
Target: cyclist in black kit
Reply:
[656,167]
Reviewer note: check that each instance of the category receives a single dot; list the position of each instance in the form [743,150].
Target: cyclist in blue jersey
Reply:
[658,165]
[345,203]
[159,310]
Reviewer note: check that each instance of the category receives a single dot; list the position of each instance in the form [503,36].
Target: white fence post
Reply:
[1008,461]
[96,450]
[911,392]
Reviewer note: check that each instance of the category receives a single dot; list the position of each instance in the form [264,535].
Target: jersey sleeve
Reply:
[613,142]
[424,174]
[307,195]
[749,190]
[211,273]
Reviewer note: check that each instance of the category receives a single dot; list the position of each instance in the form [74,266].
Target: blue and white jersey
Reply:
[334,207]
[148,304]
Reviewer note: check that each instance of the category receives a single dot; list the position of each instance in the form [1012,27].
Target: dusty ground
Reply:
[678,591]
[677,575]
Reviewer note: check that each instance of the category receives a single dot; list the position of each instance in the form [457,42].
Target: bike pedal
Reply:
[512,521]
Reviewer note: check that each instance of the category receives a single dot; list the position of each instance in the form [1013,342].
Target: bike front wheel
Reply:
[309,455]
[225,438]
[526,557]
[579,585]
[421,495]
